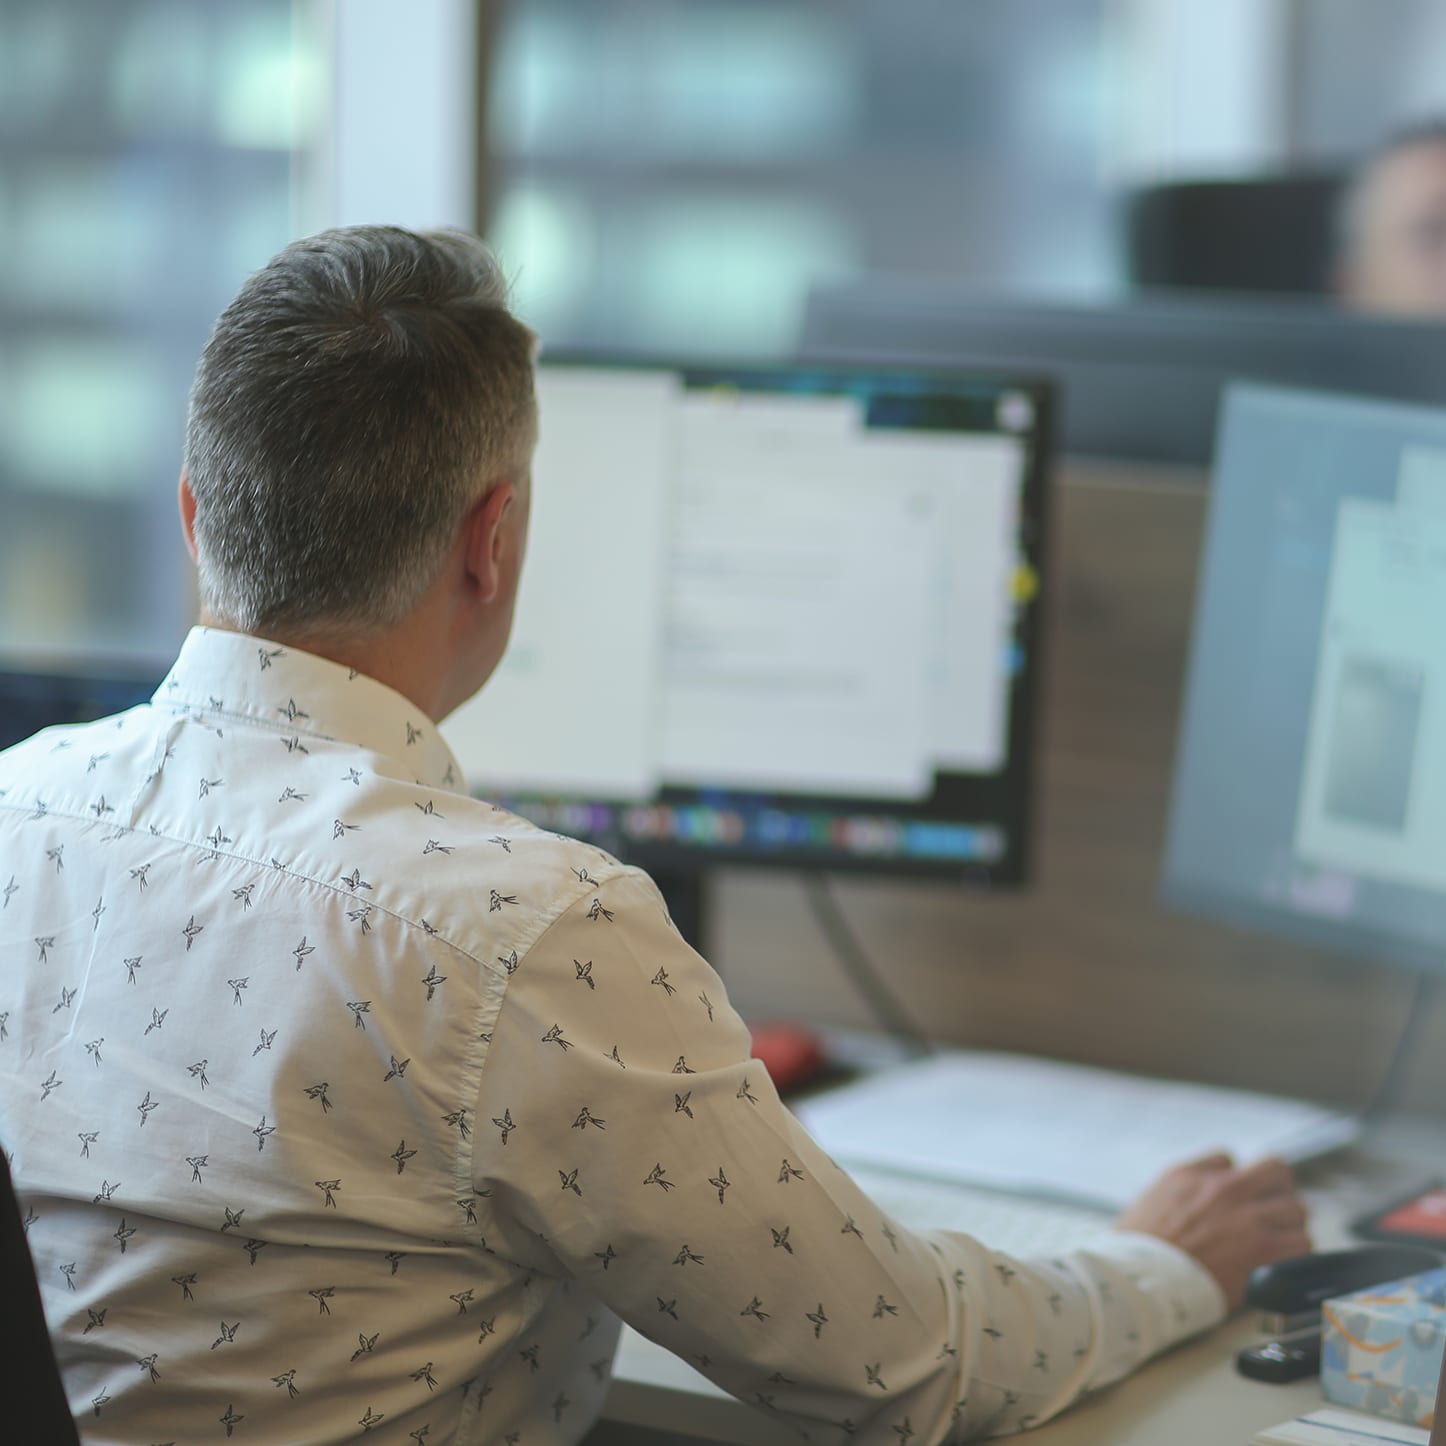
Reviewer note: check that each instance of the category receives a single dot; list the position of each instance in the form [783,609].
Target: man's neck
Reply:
[405,657]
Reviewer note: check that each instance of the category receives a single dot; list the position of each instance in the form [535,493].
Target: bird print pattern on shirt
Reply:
[325,872]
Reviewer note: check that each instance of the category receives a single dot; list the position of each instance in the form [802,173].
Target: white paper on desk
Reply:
[1040,1127]
[1332,1427]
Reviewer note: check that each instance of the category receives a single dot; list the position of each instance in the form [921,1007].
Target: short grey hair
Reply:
[355,399]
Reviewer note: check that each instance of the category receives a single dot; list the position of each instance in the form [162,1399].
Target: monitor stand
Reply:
[685,892]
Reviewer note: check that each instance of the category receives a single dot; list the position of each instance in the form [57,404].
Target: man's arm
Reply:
[655,1158]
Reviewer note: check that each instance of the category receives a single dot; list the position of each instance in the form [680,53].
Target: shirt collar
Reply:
[299,694]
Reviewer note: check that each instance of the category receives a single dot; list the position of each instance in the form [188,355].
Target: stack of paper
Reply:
[1334,1427]
[1040,1127]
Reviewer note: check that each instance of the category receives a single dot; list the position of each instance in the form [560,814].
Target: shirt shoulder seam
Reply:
[546,917]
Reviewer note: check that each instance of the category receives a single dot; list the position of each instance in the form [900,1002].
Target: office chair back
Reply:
[35,1404]
[1275,235]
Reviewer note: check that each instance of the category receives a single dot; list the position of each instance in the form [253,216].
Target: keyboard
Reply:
[1015,1224]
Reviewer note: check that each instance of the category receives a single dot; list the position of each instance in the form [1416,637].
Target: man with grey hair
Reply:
[1392,227]
[342,1103]
[329,520]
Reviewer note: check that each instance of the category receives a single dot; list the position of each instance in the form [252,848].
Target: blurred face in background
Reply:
[1396,261]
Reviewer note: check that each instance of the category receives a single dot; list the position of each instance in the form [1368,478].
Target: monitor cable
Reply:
[1393,1082]
[887,1008]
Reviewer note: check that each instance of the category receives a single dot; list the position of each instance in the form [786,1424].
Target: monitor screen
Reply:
[784,616]
[1310,783]
[33,696]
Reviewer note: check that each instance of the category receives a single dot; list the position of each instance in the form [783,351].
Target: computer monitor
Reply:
[1310,779]
[36,694]
[1140,378]
[783,616]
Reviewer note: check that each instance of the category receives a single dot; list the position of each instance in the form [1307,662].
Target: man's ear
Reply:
[486,540]
[187,500]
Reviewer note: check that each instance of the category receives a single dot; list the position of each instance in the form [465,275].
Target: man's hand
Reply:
[1230,1220]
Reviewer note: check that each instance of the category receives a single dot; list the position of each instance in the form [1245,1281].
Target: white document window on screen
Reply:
[750,590]
[797,604]
[1421,480]
[1373,789]
[574,707]
[874,647]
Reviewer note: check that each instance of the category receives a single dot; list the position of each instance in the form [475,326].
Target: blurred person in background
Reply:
[1392,248]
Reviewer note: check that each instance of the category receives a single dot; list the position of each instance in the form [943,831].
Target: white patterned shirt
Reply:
[341,1104]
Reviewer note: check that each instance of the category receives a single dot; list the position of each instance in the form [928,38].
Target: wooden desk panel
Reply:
[1086,964]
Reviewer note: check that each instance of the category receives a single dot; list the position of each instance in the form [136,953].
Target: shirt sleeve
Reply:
[653,1156]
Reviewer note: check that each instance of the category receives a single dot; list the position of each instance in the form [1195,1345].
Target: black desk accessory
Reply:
[1291,1293]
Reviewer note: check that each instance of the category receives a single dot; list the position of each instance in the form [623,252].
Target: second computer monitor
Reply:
[786,616]
[1310,781]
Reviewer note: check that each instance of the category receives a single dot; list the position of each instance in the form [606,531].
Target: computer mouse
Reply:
[792,1054]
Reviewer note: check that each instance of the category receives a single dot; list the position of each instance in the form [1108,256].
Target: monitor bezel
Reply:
[76,682]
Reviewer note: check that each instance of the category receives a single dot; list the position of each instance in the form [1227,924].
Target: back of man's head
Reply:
[353,401]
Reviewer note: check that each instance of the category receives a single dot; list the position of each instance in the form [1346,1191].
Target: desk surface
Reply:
[1191,1396]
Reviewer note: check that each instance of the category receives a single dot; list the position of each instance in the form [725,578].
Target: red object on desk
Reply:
[791,1054]
[1424,1216]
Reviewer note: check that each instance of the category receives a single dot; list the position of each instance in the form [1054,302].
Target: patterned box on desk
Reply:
[1381,1350]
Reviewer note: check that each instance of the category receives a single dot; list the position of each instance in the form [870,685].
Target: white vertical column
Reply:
[402,142]
[1200,89]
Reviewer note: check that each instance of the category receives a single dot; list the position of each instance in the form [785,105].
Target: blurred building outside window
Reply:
[149,159]
[667,175]
[673,175]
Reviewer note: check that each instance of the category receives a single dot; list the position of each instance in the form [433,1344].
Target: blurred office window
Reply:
[148,156]
[676,173]
[1365,70]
